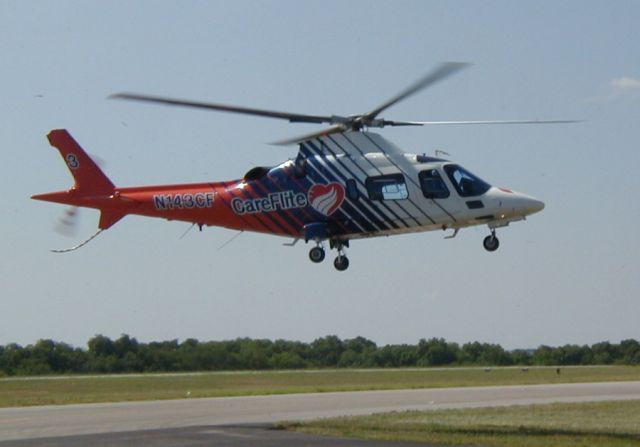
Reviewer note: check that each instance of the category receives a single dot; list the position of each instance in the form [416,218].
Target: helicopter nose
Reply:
[529,205]
[535,206]
[513,203]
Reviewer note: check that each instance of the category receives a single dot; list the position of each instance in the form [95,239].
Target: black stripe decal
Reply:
[248,195]
[382,203]
[304,184]
[362,221]
[290,216]
[368,206]
[224,186]
[406,174]
[370,217]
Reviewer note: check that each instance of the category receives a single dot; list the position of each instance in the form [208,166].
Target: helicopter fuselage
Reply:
[339,188]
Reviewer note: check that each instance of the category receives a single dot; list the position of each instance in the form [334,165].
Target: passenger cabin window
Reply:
[433,187]
[467,184]
[387,187]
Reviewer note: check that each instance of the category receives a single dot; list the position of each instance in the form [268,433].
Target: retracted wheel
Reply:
[491,243]
[316,254]
[341,263]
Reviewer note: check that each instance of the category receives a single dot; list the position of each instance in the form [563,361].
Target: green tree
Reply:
[253,354]
[326,351]
[286,360]
[521,357]
[629,352]
[604,353]
[436,352]
[12,357]
[124,345]
[100,346]
[573,355]
[545,355]
[396,356]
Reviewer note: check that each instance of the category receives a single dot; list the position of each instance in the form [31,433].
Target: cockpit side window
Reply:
[467,184]
[433,187]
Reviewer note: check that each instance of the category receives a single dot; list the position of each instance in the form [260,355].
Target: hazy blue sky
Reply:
[568,275]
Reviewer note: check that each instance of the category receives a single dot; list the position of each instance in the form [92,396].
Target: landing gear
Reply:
[316,254]
[341,263]
[491,243]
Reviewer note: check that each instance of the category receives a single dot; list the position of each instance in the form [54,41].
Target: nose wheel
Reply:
[491,242]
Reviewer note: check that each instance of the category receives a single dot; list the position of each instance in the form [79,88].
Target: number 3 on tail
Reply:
[72,161]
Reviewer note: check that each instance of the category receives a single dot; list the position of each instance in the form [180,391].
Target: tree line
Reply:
[127,355]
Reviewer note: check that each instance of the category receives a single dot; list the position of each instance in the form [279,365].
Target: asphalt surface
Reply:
[218,436]
[244,421]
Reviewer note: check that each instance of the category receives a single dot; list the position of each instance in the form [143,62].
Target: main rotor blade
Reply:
[429,123]
[292,117]
[323,133]
[444,70]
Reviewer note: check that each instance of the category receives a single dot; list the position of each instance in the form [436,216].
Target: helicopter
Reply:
[346,183]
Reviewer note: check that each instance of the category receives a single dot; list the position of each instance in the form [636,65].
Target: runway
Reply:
[112,421]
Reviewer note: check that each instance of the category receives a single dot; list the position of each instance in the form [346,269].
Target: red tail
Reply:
[89,178]
[92,187]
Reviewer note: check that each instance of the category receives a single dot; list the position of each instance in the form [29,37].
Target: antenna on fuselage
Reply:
[233,238]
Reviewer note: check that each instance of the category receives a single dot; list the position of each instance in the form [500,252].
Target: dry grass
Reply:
[614,424]
[114,388]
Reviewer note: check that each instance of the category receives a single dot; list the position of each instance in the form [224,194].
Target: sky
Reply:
[567,275]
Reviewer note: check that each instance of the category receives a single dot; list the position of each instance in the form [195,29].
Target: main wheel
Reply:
[491,243]
[316,254]
[341,263]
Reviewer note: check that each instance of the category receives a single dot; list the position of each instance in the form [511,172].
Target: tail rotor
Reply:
[67,224]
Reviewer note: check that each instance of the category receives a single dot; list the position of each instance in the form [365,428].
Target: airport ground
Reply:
[224,420]
[610,424]
[25,391]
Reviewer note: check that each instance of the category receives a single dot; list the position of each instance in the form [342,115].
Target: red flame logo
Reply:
[326,199]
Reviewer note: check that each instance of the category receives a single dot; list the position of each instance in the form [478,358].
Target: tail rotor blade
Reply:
[67,224]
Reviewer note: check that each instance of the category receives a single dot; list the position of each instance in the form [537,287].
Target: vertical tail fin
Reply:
[89,178]
[92,187]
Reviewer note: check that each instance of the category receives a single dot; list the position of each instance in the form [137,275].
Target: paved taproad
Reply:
[219,436]
[123,423]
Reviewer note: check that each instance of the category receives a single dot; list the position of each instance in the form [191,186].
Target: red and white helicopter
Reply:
[345,183]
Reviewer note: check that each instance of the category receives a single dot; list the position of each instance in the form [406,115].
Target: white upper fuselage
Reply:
[423,193]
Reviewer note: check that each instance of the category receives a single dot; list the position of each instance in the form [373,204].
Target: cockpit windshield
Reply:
[466,183]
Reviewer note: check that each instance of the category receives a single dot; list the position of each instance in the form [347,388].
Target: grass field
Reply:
[611,424]
[115,388]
